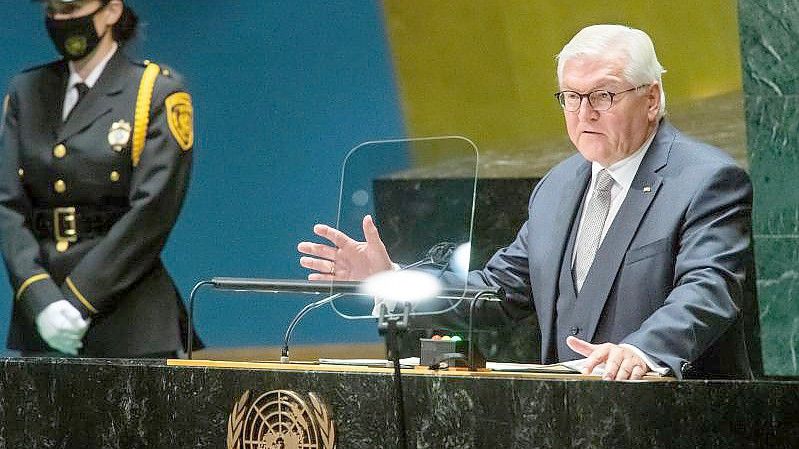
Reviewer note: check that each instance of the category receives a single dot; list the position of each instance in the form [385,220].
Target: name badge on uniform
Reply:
[119,135]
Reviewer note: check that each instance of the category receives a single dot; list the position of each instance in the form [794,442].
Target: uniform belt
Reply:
[69,224]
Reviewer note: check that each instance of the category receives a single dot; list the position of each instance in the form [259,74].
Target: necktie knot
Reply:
[82,89]
[603,181]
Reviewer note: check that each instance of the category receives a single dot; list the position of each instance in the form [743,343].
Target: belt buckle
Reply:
[65,227]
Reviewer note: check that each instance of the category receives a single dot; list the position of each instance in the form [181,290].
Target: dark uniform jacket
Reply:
[63,176]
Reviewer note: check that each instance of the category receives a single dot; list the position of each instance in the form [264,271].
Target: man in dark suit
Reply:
[95,162]
[636,249]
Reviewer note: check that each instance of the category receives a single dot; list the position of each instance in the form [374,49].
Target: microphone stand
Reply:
[391,326]
[480,297]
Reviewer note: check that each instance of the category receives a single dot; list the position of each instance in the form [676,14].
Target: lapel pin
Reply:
[647,189]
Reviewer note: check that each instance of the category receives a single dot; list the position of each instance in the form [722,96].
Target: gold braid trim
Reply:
[141,119]
[80,297]
[28,282]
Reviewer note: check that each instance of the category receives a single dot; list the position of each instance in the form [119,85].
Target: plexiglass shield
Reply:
[420,194]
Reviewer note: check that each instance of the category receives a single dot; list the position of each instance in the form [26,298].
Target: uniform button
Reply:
[60,151]
[114,176]
[574,330]
[60,186]
[21,172]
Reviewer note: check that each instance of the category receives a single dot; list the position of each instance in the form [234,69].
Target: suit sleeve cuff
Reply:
[73,294]
[36,293]
[662,370]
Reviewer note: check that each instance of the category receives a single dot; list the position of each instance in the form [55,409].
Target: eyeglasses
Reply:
[600,100]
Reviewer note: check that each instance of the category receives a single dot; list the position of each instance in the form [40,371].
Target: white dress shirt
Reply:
[71,94]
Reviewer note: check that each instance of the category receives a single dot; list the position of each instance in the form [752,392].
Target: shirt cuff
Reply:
[648,360]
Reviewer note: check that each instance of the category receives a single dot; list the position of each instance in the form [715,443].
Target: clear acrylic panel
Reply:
[421,194]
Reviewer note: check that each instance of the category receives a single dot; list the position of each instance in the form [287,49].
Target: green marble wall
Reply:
[769,31]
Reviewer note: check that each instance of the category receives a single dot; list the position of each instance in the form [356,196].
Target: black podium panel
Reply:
[411,223]
[72,403]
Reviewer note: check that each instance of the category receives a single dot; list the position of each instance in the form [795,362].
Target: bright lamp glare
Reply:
[402,286]
[460,260]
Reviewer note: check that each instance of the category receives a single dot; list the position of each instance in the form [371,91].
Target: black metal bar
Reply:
[190,331]
[328,287]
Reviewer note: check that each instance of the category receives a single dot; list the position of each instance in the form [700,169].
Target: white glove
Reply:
[61,325]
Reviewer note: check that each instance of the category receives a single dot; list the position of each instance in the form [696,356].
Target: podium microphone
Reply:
[333,289]
[438,255]
[284,352]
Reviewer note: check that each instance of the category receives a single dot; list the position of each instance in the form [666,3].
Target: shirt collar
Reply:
[94,75]
[623,171]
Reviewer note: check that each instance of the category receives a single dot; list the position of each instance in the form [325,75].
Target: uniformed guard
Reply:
[93,171]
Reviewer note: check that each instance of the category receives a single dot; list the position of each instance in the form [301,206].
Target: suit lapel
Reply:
[94,105]
[567,207]
[51,97]
[610,255]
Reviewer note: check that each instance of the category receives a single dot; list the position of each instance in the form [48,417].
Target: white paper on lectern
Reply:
[408,362]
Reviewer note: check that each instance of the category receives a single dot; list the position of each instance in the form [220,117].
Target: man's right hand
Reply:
[346,259]
[62,327]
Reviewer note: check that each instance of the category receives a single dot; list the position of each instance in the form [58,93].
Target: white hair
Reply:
[611,41]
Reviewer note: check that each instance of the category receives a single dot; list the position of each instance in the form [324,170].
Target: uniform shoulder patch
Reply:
[180,116]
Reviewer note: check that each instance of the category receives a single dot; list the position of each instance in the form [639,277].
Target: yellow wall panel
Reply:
[485,68]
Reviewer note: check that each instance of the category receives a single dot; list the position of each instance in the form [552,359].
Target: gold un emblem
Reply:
[280,419]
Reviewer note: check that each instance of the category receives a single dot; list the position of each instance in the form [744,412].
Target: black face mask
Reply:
[74,38]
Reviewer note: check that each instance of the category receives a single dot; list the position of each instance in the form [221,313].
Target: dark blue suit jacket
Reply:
[669,275]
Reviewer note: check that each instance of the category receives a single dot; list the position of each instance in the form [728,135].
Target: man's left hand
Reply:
[621,363]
